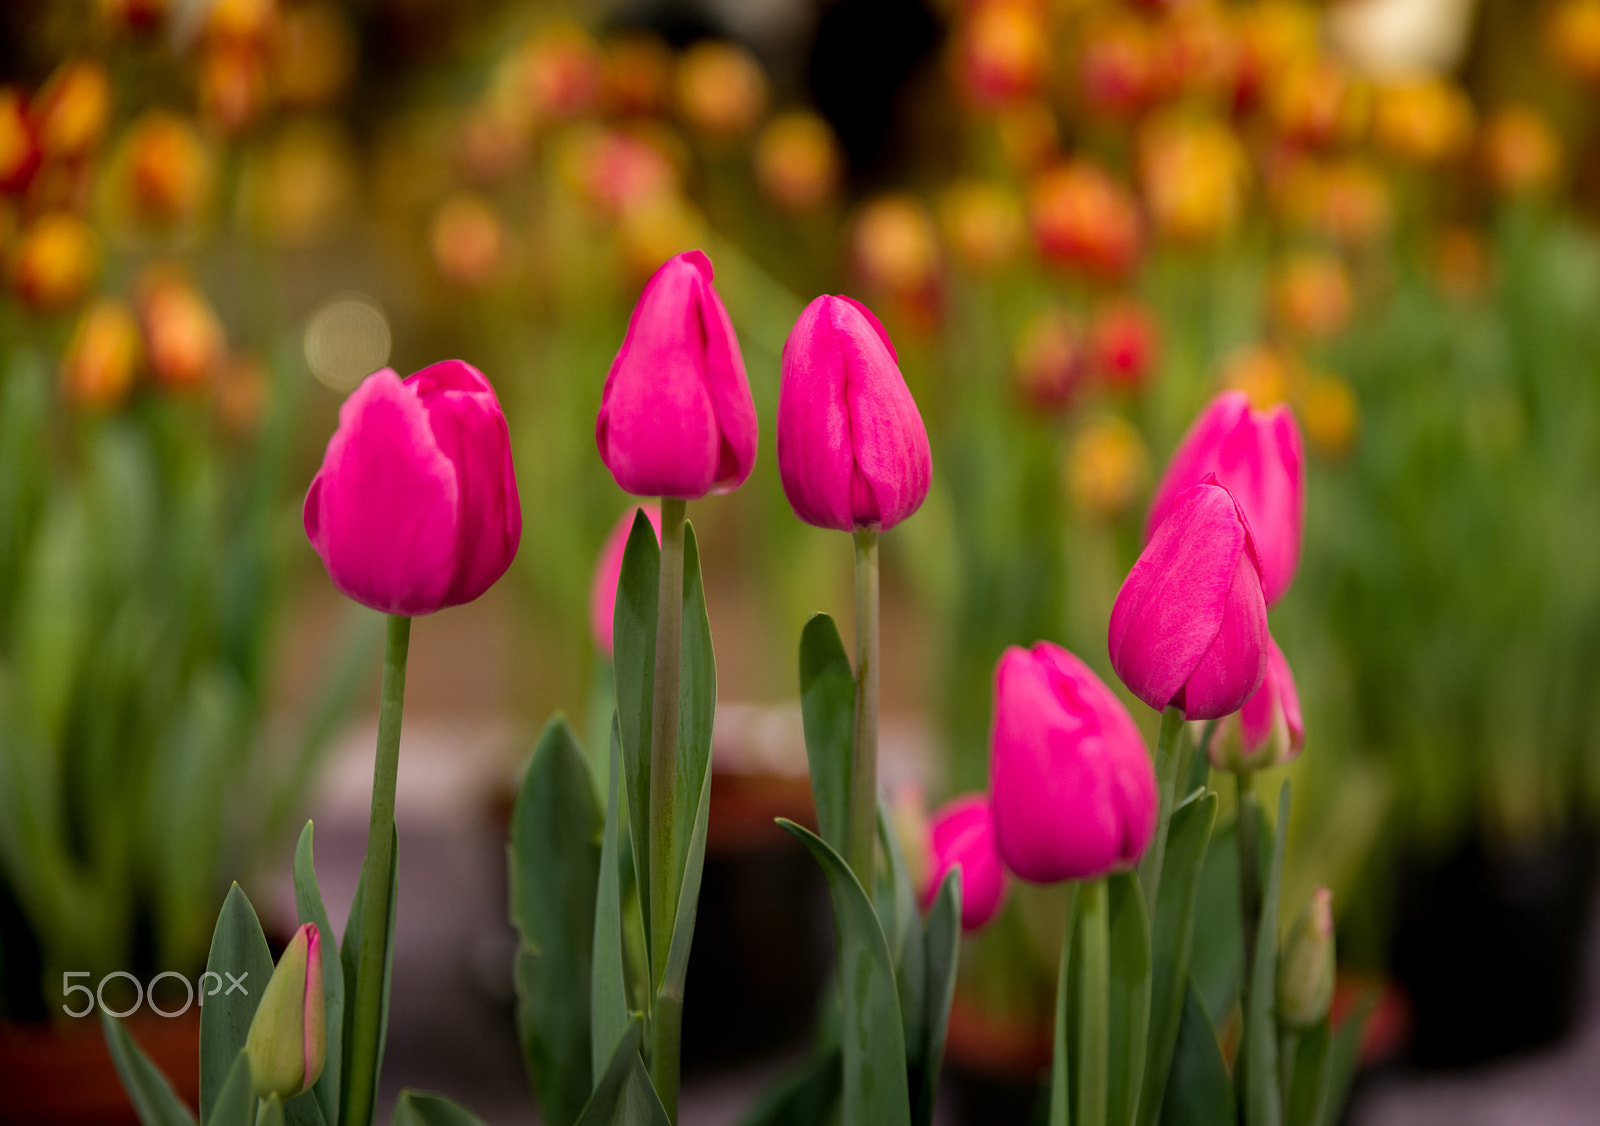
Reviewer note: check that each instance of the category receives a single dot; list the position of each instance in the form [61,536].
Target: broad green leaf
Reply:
[1258,1053]
[942,950]
[424,1108]
[555,873]
[236,1102]
[1171,942]
[808,1097]
[827,710]
[1216,958]
[677,967]
[623,1096]
[633,658]
[1061,1051]
[1344,1056]
[697,706]
[349,959]
[875,1091]
[308,901]
[1199,1092]
[242,965]
[156,1103]
[1308,1087]
[608,983]
[1130,995]
[898,914]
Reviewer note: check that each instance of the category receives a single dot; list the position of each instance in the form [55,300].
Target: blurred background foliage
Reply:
[1079,219]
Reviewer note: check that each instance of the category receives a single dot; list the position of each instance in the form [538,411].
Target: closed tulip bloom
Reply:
[852,450]
[608,572]
[1072,788]
[415,507]
[1189,627]
[961,835]
[1257,456]
[1268,730]
[288,1038]
[676,416]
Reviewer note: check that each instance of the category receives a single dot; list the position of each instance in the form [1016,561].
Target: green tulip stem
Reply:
[367,1024]
[667,1023]
[1249,878]
[862,841]
[1169,755]
[1094,1005]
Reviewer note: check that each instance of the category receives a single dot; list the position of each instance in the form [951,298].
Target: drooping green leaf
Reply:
[1061,1050]
[349,963]
[623,1096]
[808,1097]
[555,874]
[156,1103]
[242,965]
[236,1102]
[875,1091]
[1130,995]
[1344,1056]
[1199,1092]
[1171,942]
[424,1108]
[1308,1089]
[633,658]
[942,950]
[1258,1053]
[608,984]
[827,710]
[308,901]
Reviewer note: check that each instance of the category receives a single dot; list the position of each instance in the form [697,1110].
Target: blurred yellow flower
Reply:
[55,260]
[167,168]
[656,230]
[1311,294]
[1331,415]
[722,91]
[1272,37]
[1048,363]
[983,224]
[302,183]
[314,55]
[72,110]
[470,244]
[893,244]
[798,164]
[183,338]
[242,23]
[1106,469]
[1317,102]
[1572,34]
[102,356]
[232,86]
[1193,176]
[1262,372]
[1426,120]
[1520,150]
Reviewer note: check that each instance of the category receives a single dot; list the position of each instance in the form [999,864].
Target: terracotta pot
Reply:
[63,1073]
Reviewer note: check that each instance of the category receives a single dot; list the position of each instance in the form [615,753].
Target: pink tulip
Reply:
[1268,730]
[1189,627]
[1073,791]
[1258,457]
[415,507]
[961,835]
[852,450]
[676,416]
[608,571]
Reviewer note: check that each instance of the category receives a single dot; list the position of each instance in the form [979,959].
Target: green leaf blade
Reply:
[1130,996]
[424,1108]
[154,1100]
[308,901]
[827,711]
[238,953]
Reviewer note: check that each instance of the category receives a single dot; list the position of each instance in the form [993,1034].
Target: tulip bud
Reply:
[676,415]
[1268,730]
[1305,972]
[608,572]
[287,1042]
[101,357]
[1189,626]
[19,151]
[55,260]
[1081,217]
[1257,456]
[1072,789]
[961,836]
[852,450]
[415,507]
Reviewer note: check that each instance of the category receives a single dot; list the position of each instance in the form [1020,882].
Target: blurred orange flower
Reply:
[1048,362]
[1317,103]
[1572,34]
[241,23]
[983,224]
[1273,35]
[1197,50]
[102,356]
[1027,133]
[240,393]
[1081,217]
[1331,415]
[19,152]
[167,167]
[558,72]
[1002,50]
[1311,294]
[470,244]
[134,15]
[1262,372]
[1520,150]
[722,91]
[1461,263]
[314,55]
[636,74]
[1107,467]
[1124,344]
[1425,120]
[302,183]
[797,161]
[1118,64]
[183,338]
[893,244]
[233,86]
[55,261]
[1193,176]
[615,170]
[70,113]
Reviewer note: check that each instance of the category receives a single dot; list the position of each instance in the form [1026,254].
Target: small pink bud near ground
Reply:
[1306,972]
[287,1042]
[961,835]
[1268,730]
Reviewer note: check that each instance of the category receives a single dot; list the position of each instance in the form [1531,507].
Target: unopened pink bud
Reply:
[961,835]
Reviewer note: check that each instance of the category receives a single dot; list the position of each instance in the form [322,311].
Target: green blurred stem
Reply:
[1249,879]
[1288,1046]
[666,1025]
[367,1030]
[1094,1005]
[1060,1070]
[1169,755]
[862,841]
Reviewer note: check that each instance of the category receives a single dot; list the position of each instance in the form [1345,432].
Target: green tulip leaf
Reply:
[1308,1086]
[1061,1051]
[941,952]
[308,901]
[349,963]
[154,1100]
[827,711]
[1199,1092]
[875,1091]
[897,910]
[608,983]
[1216,959]
[555,858]
[239,955]
[633,659]
[1258,1054]
[808,1097]
[1130,995]
[236,1102]
[424,1108]
[1343,1057]
[624,1096]
[1171,942]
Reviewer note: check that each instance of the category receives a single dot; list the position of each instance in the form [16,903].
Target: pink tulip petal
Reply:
[1233,666]
[815,458]
[961,835]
